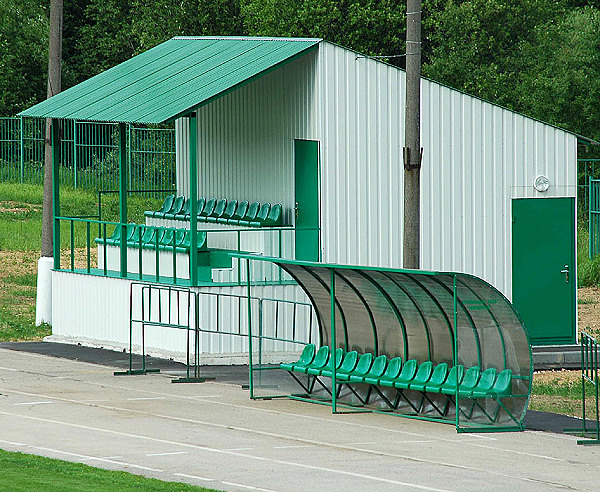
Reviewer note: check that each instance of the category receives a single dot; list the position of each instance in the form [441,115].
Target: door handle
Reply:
[566,272]
[296,209]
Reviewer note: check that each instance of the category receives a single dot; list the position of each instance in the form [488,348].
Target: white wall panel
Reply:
[246,138]
[477,157]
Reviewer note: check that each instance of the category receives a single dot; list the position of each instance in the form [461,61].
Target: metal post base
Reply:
[134,372]
[192,380]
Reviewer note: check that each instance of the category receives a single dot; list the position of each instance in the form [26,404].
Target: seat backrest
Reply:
[201,205]
[241,210]
[408,370]
[186,207]
[322,357]
[378,367]
[263,212]
[116,233]
[167,238]
[439,374]
[339,357]
[471,377]
[180,237]
[349,362]
[502,385]
[424,372]
[275,214]
[455,371]
[230,210]
[130,230]
[252,211]
[364,363]
[393,368]
[487,379]
[148,235]
[308,353]
[219,208]
[167,204]
[177,204]
[209,207]
[135,235]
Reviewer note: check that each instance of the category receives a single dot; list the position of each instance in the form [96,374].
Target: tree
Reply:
[23,50]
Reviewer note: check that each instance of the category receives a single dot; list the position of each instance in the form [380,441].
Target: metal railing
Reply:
[152,305]
[89,153]
[162,260]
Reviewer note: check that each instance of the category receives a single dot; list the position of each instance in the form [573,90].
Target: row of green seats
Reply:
[220,212]
[149,237]
[365,368]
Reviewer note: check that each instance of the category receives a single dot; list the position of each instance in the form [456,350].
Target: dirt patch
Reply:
[18,262]
[588,310]
[18,208]
[557,377]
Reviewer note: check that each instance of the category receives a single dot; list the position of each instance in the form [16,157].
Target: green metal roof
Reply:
[171,79]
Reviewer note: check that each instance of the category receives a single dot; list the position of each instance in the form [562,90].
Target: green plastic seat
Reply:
[436,386]
[166,206]
[306,357]
[250,214]
[261,216]
[274,217]
[375,371]
[209,208]
[469,382]
[218,211]
[148,235]
[158,236]
[438,376]
[502,387]
[167,240]
[239,213]
[319,362]
[175,209]
[199,208]
[422,375]
[362,367]
[185,210]
[228,212]
[339,357]
[485,384]
[449,386]
[114,237]
[407,373]
[160,214]
[347,366]
[391,371]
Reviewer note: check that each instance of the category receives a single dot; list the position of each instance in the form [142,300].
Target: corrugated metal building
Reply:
[321,132]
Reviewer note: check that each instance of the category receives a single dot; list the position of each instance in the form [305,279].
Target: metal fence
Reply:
[89,154]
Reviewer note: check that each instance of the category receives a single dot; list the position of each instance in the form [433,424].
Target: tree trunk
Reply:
[411,247]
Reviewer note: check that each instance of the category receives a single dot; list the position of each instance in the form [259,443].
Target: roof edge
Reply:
[250,38]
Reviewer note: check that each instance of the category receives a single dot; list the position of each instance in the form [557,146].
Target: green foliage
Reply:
[30,473]
[23,54]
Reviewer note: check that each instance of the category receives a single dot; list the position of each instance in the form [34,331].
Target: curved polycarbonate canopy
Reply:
[428,316]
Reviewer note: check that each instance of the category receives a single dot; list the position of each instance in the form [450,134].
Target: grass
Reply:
[588,270]
[29,473]
[560,392]
[21,214]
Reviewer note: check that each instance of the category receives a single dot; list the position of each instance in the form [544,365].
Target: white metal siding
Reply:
[246,138]
[476,158]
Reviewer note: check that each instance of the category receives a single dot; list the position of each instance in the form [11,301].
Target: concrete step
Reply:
[556,357]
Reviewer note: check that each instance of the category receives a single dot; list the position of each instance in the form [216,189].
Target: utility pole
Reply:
[412,151]
[45,263]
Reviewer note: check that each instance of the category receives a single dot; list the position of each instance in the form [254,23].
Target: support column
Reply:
[55,129]
[193,136]
[333,343]
[123,197]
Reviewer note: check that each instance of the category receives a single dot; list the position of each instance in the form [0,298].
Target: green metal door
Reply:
[543,268]
[306,188]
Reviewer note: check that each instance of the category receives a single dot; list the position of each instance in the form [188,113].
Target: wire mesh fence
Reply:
[90,156]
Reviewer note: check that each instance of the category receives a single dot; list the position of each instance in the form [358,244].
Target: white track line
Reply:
[35,403]
[195,477]
[209,450]
[250,487]
[167,454]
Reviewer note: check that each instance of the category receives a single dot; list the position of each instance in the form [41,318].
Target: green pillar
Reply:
[123,196]
[55,130]
[193,133]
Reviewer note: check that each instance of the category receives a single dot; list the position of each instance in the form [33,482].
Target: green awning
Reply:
[171,79]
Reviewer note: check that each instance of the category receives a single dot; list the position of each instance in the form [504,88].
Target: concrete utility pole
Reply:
[45,263]
[412,138]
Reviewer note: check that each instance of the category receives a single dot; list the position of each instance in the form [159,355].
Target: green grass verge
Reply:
[562,396]
[21,214]
[588,270]
[28,473]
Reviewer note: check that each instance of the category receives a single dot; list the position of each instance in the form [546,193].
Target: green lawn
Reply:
[28,473]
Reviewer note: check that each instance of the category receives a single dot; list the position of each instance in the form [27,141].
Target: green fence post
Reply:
[333,343]
[250,365]
[55,131]
[129,134]
[193,132]
[21,149]
[75,152]
[455,348]
[123,197]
